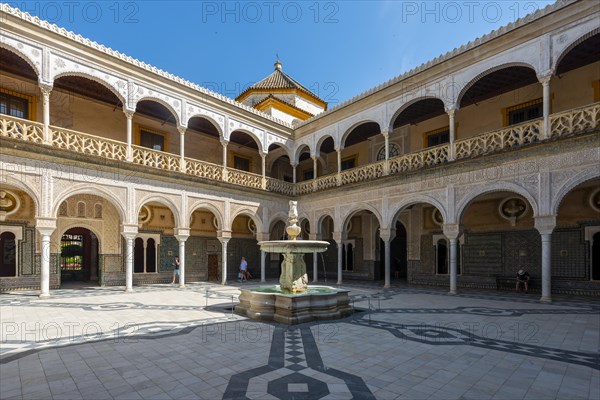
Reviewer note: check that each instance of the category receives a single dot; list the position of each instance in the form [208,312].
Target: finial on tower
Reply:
[278,64]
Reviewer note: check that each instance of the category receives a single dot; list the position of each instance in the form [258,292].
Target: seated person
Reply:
[523,278]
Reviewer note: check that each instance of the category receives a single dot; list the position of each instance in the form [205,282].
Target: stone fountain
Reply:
[293,301]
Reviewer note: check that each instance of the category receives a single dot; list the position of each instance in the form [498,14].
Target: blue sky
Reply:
[337,49]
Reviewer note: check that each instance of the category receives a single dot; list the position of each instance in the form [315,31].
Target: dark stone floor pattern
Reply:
[495,312]
[294,351]
[133,333]
[440,336]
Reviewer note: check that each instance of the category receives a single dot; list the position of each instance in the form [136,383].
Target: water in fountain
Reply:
[324,267]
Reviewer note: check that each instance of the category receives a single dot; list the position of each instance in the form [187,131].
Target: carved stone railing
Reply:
[155,159]
[21,129]
[324,182]
[279,186]
[424,158]
[204,169]
[364,173]
[304,187]
[574,121]
[244,178]
[88,144]
[509,137]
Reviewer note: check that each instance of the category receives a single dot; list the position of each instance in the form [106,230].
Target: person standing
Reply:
[243,269]
[523,279]
[176,270]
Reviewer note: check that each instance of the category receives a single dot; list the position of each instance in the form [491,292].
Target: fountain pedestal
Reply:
[293,277]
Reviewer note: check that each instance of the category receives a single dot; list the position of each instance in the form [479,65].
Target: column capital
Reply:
[182,234]
[314,157]
[450,111]
[128,113]
[45,88]
[315,236]
[386,234]
[223,235]
[545,77]
[452,231]
[294,164]
[263,154]
[182,129]
[129,231]
[224,142]
[339,236]
[545,224]
[385,133]
[45,226]
[262,236]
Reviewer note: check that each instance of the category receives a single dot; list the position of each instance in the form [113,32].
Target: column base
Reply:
[339,283]
[262,281]
[128,290]
[386,286]
[182,286]
[453,292]
[545,299]
[44,295]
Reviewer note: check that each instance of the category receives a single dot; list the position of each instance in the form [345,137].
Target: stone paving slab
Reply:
[163,342]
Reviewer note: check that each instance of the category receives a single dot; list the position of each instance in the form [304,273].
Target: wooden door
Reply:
[213,267]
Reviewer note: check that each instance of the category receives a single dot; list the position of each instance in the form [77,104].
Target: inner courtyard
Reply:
[130,199]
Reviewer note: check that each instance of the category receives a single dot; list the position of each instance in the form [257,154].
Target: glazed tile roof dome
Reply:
[278,80]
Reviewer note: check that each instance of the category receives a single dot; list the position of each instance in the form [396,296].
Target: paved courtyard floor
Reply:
[162,342]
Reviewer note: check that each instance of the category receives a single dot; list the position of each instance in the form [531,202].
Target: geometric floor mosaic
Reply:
[163,342]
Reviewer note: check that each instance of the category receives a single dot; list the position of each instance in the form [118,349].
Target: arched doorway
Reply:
[441,258]
[596,257]
[79,256]
[398,253]
[8,254]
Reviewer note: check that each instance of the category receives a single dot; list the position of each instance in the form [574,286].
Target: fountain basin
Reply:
[317,303]
[293,246]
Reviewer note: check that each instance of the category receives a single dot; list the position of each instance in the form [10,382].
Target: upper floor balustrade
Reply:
[581,120]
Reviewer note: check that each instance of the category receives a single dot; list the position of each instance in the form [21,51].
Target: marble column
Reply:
[181,130]
[263,256]
[387,244]
[545,224]
[46,90]
[224,144]
[224,242]
[45,227]
[129,117]
[340,249]
[129,233]
[546,268]
[386,166]
[545,81]
[453,266]
[452,232]
[129,264]
[182,235]
[451,112]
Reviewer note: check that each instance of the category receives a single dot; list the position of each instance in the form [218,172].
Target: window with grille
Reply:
[152,140]
[14,106]
[525,112]
[394,150]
